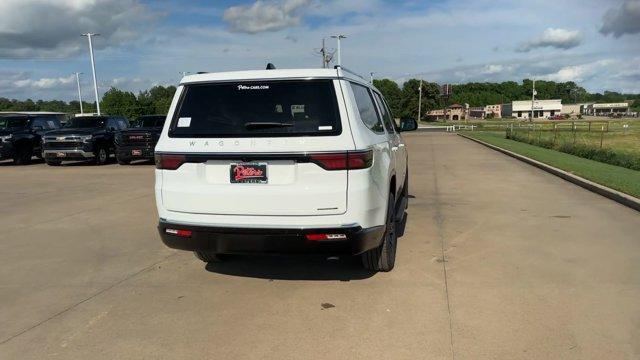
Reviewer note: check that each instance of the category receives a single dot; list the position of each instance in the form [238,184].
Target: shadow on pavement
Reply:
[345,268]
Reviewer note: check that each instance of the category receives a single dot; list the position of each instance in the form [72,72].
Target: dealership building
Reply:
[607,109]
[541,108]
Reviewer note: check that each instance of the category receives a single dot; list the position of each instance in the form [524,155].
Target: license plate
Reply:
[248,173]
[136,152]
[61,154]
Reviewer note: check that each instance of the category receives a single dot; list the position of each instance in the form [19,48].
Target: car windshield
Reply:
[151,121]
[7,122]
[258,109]
[86,122]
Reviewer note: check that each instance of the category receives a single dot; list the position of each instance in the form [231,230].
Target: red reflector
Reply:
[351,160]
[330,237]
[169,162]
[181,233]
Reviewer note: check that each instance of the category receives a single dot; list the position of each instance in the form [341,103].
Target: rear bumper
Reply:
[125,152]
[225,240]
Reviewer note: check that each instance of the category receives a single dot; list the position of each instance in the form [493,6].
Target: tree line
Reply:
[114,102]
[402,99]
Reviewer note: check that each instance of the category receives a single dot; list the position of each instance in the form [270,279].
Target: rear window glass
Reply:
[257,109]
[13,122]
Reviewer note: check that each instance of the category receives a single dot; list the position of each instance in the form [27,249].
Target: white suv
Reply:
[282,161]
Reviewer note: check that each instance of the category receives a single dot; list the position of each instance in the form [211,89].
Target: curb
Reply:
[615,195]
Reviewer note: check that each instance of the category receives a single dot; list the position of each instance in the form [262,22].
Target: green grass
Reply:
[615,177]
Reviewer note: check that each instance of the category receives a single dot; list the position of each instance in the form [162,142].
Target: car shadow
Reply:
[280,267]
[9,162]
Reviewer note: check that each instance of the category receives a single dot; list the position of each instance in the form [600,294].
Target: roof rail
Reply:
[349,71]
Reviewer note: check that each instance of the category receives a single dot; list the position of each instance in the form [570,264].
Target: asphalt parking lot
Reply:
[499,261]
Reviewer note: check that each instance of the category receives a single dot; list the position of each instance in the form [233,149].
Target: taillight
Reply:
[169,161]
[350,160]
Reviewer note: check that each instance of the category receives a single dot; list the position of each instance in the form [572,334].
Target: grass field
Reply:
[615,177]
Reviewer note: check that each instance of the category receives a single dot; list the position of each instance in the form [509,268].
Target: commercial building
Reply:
[540,108]
[477,112]
[457,112]
[572,109]
[607,109]
[493,110]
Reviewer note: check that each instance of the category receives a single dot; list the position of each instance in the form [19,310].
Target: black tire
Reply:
[102,155]
[209,256]
[53,162]
[383,257]
[23,155]
[123,161]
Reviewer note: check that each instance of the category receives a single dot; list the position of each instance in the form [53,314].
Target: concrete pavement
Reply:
[499,261]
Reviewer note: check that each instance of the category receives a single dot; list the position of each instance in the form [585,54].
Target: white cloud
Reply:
[579,73]
[623,20]
[52,28]
[264,15]
[45,83]
[555,38]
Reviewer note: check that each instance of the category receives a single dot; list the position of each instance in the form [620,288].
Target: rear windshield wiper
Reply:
[266,124]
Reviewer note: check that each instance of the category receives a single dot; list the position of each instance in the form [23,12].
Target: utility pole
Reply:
[93,70]
[79,92]
[420,101]
[371,77]
[339,37]
[533,99]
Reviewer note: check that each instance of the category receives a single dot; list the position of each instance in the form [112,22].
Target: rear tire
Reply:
[209,256]
[23,155]
[383,257]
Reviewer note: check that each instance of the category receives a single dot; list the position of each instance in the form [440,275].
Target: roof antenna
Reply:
[270,66]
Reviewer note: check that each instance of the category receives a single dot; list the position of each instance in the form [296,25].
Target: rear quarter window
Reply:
[257,109]
[366,108]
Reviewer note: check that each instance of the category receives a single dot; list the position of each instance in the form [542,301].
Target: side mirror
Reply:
[408,124]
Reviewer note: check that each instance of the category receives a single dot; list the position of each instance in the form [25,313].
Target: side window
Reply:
[386,114]
[366,108]
[39,122]
[112,124]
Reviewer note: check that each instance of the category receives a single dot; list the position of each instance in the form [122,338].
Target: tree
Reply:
[410,98]
[392,93]
[118,102]
[156,100]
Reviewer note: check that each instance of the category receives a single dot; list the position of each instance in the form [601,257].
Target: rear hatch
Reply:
[251,149]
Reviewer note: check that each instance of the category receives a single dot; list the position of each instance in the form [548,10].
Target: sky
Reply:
[142,43]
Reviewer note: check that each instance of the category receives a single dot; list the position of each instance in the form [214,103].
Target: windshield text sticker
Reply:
[325,127]
[184,122]
[253,87]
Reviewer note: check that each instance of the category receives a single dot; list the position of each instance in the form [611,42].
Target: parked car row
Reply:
[93,138]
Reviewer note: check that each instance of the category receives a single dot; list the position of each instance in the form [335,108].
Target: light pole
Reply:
[533,98]
[339,37]
[371,77]
[420,101]
[93,70]
[79,92]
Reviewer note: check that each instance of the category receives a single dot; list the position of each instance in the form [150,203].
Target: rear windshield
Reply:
[13,122]
[151,121]
[257,109]
[86,122]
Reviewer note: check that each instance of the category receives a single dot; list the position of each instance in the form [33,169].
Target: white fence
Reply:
[451,128]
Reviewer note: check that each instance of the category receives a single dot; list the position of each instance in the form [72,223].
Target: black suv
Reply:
[83,138]
[21,135]
[137,143]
